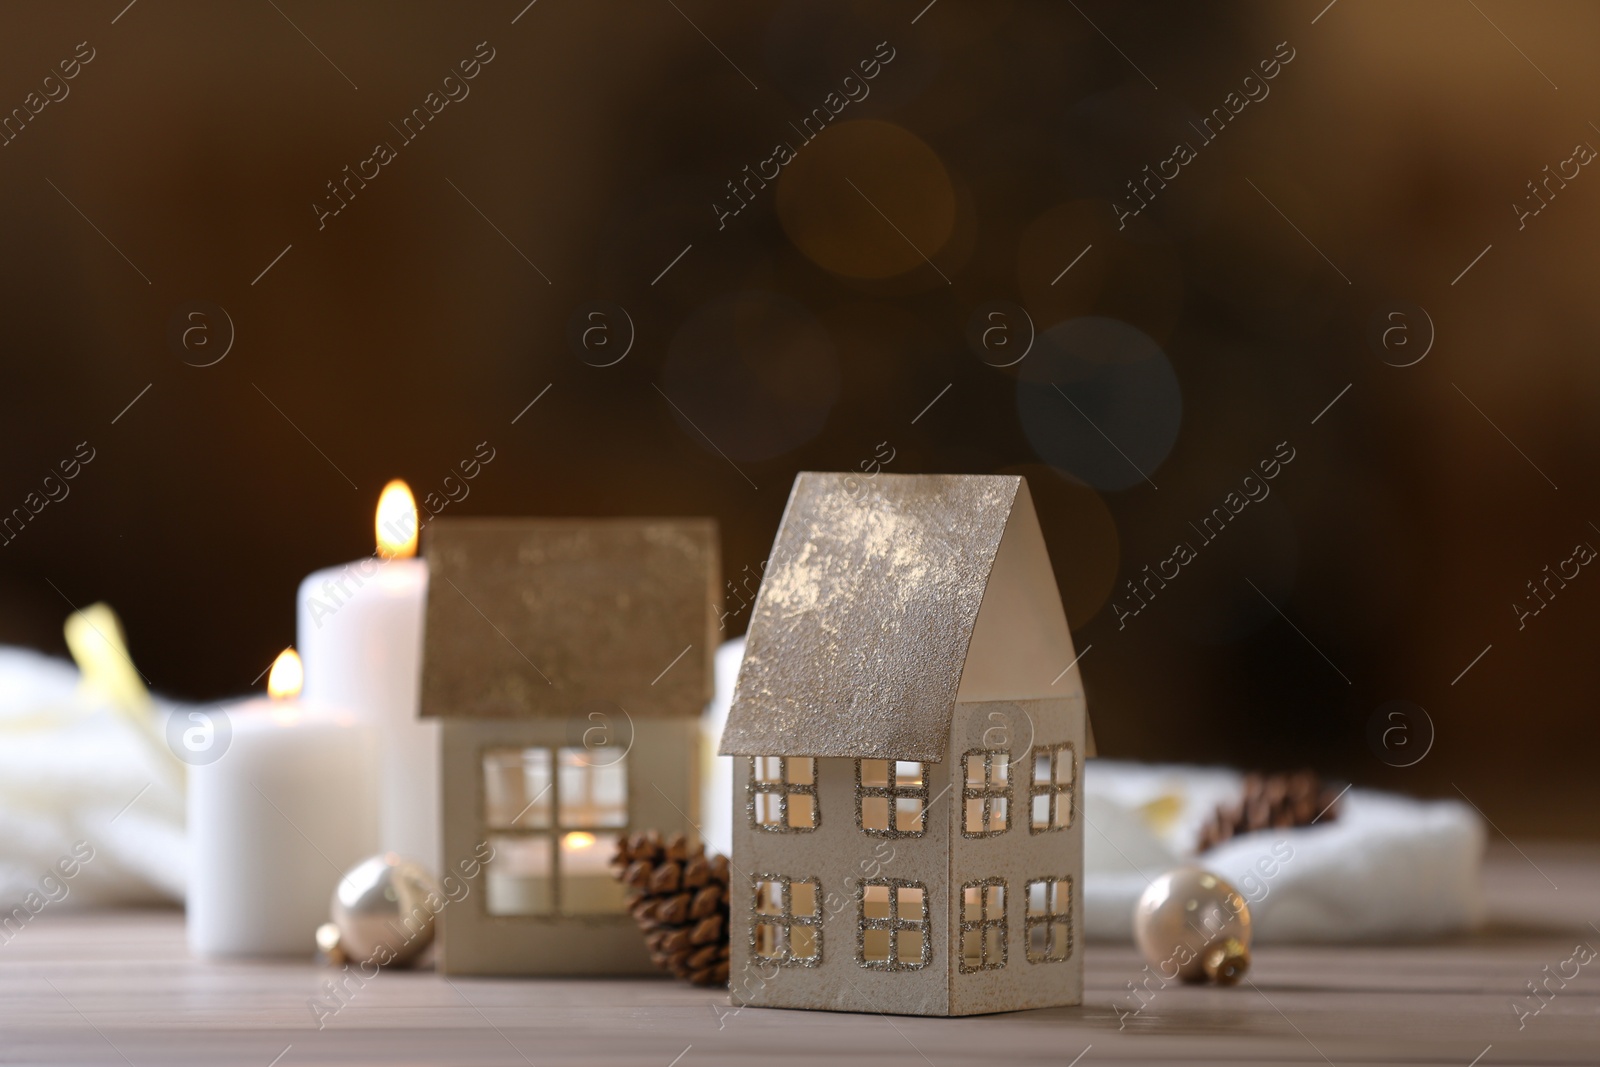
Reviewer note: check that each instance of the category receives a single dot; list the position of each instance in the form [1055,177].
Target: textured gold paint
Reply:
[860,632]
[535,618]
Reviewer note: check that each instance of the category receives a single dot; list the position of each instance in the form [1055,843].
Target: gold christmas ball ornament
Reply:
[1191,925]
[384,909]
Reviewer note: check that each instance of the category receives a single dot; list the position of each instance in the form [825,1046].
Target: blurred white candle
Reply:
[360,632]
[274,822]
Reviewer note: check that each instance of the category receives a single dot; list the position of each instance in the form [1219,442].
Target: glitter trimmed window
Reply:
[983,926]
[892,926]
[891,797]
[783,794]
[554,817]
[985,792]
[1050,794]
[1048,923]
[786,921]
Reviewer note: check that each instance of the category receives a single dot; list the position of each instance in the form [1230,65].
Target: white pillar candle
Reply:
[360,632]
[274,823]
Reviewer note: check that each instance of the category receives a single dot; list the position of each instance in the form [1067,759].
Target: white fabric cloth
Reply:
[69,767]
[1387,867]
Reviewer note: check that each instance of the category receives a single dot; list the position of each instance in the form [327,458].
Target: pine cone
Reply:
[1271,801]
[679,898]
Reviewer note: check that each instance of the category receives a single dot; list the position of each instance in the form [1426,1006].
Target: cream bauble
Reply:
[1191,925]
[385,909]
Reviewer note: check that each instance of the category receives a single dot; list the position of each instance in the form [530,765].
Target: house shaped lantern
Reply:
[569,662]
[908,741]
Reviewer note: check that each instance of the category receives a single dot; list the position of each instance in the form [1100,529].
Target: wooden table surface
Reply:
[120,988]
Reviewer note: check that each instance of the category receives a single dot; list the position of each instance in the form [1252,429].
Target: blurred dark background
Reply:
[809,331]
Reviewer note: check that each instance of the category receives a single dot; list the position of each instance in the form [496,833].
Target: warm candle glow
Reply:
[396,521]
[287,676]
[578,839]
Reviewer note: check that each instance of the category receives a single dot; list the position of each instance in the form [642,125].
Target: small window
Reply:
[891,797]
[985,792]
[1048,924]
[983,925]
[787,924]
[516,789]
[519,880]
[554,818]
[587,885]
[592,788]
[892,929]
[783,794]
[1050,794]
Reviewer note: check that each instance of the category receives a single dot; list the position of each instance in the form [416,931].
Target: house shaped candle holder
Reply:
[569,662]
[908,731]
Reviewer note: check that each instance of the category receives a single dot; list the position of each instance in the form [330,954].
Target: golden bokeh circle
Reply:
[866,199]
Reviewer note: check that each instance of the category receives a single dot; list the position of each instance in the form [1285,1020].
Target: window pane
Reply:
[971,945]
[974,764]
[516,788]
[975,816]
[909,946]
[593,787]
[802,811]
[995,935]
[997,901]
[1041,812]
[768,769]
[1036,898]
[875,813]
[1001,769]
[908,815]
[587,885]
[803,899]
[1066,767]
[803,942]
[910,901]
[1060,941]
[1039,941]
[1041,768]
[907,772]
[874,773]
[769,898]
[769,939]
[518,879]
[768,809]
[997,814]
[875,946]
[802,770]
[972,903]
[875,902]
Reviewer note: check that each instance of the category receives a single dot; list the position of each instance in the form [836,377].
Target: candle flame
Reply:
[396,521]
[287,676]
[578,839]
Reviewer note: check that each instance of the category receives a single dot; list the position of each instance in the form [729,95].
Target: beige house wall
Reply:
[840,855]
[663,768]
[1017,856]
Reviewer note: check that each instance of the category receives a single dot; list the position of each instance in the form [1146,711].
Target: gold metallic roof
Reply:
[534,618]
[859,635]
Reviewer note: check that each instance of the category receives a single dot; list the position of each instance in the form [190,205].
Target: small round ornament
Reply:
[384,908]
[1191,925]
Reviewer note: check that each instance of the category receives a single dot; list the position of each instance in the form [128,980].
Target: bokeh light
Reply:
[1099,399]
[867,199]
